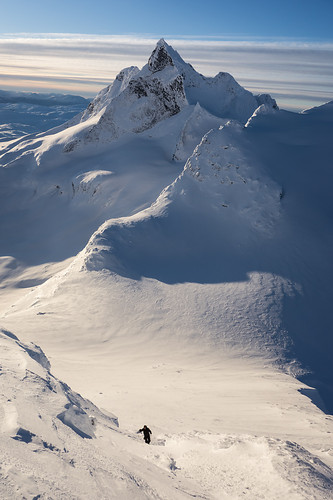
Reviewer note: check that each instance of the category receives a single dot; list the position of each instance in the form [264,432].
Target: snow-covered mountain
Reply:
[139,99]
[24,113]
[169,248]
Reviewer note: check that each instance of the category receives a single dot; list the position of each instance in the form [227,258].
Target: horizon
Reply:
[296,73]
[285,50]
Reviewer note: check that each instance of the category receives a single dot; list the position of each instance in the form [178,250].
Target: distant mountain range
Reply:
[24,113]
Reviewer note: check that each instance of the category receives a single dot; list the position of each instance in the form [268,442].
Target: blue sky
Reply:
[250,18]
[70,46]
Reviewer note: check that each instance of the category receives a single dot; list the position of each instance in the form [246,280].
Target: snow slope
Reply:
[55,444]
[177,273]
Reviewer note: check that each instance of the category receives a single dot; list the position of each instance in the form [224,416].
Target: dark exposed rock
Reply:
[138,87]
[159,59]
[120,76]
[90,107]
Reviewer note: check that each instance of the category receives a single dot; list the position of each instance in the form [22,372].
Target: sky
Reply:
[70,46]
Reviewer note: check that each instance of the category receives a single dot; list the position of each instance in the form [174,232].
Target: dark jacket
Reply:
[146,433]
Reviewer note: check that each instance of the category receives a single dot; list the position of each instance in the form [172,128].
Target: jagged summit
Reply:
[139,99]
[164,55]
[160,58]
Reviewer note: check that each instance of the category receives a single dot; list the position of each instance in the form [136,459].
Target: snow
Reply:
[175,268]
[24,113]
[196,125]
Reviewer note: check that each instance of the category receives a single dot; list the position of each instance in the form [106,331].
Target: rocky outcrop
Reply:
[159,58]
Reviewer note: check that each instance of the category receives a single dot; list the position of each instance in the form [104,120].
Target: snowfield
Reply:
[24,113]
[170,251]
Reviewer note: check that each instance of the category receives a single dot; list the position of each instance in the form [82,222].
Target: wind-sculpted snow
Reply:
[31,367]
[239,466]
[221,201]
[234,182]
[42,423]
[56,444]
[233,211]
[197,125]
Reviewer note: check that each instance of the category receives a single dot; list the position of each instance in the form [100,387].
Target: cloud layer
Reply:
[297,74]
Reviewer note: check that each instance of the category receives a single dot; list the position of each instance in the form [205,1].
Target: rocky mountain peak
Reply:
[160,57]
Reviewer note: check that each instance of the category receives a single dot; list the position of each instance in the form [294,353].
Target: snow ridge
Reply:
[218,187]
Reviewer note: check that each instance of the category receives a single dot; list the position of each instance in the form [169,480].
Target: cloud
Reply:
[297,73]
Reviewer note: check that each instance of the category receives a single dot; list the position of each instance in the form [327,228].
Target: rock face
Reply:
[139,99]
[170,97]
[159,58]
[142,104]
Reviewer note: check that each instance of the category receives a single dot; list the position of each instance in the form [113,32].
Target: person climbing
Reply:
[146,433]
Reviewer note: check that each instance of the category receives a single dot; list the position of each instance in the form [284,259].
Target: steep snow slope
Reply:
[301,149]
[55,444]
